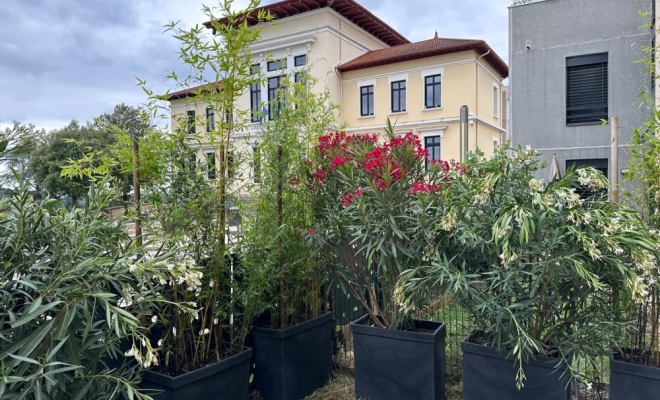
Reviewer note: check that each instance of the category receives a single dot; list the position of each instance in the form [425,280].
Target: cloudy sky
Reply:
[76,59]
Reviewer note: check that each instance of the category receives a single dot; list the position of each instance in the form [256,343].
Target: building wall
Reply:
[327,38]
[541,36]
[461,75]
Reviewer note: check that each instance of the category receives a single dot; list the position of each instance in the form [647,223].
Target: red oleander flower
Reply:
[338,161]
[294,181]
[312,232]
[423,187]
[349,198]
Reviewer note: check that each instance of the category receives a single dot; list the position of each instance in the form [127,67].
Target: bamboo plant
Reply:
[277,223]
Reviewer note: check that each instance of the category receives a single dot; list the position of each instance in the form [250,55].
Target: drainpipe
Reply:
[476,101]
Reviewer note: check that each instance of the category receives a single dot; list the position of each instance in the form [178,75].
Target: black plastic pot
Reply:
[630,381]
[292,363]
[228,379]
[487,374]
[399,365]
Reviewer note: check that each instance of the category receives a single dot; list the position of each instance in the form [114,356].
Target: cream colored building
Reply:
[374,73]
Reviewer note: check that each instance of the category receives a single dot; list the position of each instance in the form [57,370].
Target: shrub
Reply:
[541,269]
[73,291]
[372,207]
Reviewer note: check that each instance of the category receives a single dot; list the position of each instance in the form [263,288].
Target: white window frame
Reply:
[430,72]
[396,78]
[360,85]
[430,132]
[496,143]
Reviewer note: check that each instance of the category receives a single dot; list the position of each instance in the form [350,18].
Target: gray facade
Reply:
[542,35]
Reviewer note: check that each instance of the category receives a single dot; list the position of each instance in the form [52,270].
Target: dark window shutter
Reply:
[586,89]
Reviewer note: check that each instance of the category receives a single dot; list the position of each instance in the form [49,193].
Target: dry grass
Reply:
[342,386]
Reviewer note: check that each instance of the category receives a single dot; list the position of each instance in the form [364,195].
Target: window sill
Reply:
[399,113]
[586,123]
[366,116]
[432,109]
[496,117]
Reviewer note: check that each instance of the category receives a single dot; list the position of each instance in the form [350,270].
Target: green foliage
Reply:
[371,207]
[16,144]
[74,288]
[643,174]
[542,270]
[276,223]
[189,209]
[61,146]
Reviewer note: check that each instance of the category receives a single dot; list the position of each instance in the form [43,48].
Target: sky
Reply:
[76,59]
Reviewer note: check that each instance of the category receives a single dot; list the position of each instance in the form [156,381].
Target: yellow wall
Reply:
[461,75]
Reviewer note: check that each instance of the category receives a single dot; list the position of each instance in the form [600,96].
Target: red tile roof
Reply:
[350,9]
[192,91]
[427,48]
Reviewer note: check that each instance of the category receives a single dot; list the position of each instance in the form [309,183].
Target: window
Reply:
[299,61]
[228,116]
[191,122]
[210,119]
[256,164]
[496,101]
[432,91]
[210,165]
[230,165]
[276,65]
[367,100]
[191,162]
[255,94]
[586,89]
[496,143]
[432,145]
[398,96]
[275,101]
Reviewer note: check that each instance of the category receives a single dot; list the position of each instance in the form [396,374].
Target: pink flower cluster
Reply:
[349,198]
[423,187]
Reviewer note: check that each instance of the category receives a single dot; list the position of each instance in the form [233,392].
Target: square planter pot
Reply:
[487,374]
[399,365]
[292,363]
[228,379]
[630,381]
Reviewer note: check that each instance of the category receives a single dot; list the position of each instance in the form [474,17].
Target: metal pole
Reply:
[615,158]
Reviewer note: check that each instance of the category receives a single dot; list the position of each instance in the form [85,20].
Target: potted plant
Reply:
[537,266]
[204,355]
[372,201]
[70,283]
[635,363]
[292,342]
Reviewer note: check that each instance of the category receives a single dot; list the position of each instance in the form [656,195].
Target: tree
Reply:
[129,125]
[61,146]
[16,145]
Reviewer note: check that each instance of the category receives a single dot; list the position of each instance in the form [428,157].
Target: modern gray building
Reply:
[573,64]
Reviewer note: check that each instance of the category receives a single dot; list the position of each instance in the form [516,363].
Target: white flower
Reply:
[215,321]
[206,331]
[618,251]
[160,342]
[211,283]
[536,185]
[132,268]
[174,331]
[154,319]
[528,148]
